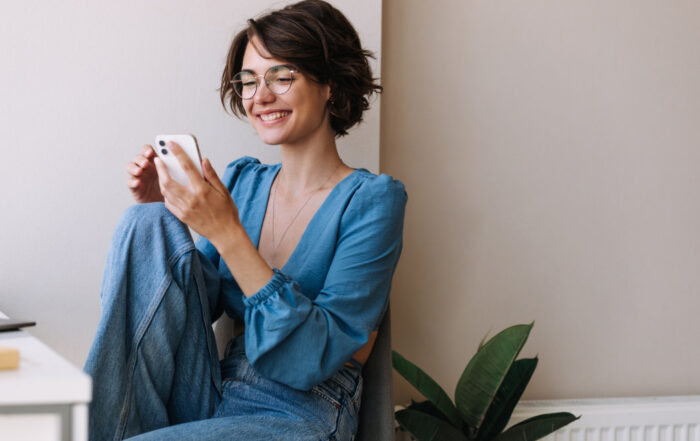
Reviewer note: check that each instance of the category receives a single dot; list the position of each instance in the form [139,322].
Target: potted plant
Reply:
[486,394]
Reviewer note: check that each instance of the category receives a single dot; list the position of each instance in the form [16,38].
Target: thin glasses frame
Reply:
[237,81]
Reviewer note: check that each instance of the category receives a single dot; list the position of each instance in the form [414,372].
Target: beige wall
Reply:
[551,153]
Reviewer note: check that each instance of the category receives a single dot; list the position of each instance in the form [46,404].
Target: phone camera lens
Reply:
[164,151]
[161,142]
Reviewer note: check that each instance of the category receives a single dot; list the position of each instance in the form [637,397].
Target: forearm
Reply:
[244,261]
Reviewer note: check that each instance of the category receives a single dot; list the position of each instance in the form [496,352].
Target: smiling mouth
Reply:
[273,116]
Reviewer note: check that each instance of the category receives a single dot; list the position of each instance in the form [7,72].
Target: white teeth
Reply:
[273,116]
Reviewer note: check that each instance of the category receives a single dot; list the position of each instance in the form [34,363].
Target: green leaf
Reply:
[427,386]
[485,373]
[483,340]
[507,398]
[428,407]
[537,427]
[426,427]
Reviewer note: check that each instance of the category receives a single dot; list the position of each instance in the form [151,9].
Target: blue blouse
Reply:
[323,304]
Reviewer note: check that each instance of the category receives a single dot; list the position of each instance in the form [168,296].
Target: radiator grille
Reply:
[616,419]
[648,432]
[621,419]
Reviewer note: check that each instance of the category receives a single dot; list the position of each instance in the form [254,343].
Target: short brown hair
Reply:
[317,39]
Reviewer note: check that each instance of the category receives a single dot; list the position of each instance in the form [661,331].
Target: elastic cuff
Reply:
[278,279]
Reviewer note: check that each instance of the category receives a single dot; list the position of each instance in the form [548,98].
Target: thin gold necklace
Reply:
[274,204]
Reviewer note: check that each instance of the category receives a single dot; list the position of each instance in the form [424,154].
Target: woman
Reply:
[301,253]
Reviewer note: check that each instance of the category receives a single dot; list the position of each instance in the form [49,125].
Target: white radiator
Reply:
[621,419]
[617,419]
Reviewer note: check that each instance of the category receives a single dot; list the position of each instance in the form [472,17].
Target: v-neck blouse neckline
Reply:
[301,246]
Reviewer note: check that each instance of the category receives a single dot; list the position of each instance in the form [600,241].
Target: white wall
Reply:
[83,85]
[551,154]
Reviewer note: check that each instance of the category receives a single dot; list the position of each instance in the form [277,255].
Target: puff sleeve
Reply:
[301,342]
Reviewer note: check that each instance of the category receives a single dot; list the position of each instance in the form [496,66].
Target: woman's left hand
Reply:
[205,205]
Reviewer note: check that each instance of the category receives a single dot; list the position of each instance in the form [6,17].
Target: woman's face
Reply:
[293,117]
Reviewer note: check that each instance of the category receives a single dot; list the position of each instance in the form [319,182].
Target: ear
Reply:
[327,92]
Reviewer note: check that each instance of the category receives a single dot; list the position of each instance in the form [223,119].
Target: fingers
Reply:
[169,187]
[133,169]
[163,175]
[175,196]
[140,167]
[143,177]
[187,166]
[148,152]
[133,183]
[142,162]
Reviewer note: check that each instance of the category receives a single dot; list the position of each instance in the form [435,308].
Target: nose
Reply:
[262,93]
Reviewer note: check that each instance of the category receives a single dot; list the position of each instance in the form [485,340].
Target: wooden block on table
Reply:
[9,358]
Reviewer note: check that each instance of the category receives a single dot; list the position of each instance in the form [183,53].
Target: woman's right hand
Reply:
[143,177]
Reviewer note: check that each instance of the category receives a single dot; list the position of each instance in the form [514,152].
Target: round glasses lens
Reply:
[279,79]
[244,84]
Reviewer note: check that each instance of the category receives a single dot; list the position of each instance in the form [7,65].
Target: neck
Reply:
[307,164]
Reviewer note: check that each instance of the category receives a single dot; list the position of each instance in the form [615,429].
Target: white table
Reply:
[46,399]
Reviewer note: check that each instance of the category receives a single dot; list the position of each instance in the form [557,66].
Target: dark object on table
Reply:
[12,324]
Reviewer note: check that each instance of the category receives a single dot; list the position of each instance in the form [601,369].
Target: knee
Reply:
[138,213]
[151,214]
[146,223]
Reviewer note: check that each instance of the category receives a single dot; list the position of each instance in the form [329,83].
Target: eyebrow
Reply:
[287,65]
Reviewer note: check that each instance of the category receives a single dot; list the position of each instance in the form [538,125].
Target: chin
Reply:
[272,142]
[273,136]
[272,139]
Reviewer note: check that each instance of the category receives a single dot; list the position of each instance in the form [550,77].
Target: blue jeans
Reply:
[154,362]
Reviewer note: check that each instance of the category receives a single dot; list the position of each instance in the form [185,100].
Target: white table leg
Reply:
[80,422]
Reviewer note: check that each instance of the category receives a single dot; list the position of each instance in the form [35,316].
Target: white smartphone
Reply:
[189,146]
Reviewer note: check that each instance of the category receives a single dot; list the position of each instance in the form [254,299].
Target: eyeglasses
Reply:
[277,78]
